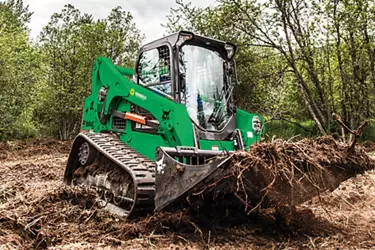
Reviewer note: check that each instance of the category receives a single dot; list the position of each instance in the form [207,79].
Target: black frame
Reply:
[172,42]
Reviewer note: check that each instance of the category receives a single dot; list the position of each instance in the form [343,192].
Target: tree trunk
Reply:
[305,93]
[344,90]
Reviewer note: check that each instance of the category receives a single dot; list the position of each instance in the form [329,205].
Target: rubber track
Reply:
[141,168]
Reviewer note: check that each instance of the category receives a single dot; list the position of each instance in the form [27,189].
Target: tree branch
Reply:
[357,133]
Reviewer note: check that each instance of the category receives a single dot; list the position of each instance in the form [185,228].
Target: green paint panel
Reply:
[125,71]
[144,143]
[222,145]
[244,122]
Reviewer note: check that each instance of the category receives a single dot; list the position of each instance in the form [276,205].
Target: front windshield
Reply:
[206,88]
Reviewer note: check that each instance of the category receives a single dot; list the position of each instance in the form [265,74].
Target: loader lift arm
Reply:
[176,130]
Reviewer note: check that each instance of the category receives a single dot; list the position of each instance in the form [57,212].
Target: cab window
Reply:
[154,69]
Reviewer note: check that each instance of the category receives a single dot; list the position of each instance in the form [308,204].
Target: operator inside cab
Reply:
[205,93]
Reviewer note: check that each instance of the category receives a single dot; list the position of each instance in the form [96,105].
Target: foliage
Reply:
[286,130]
[298,60]
[71,42]
[43,85]
[20,66]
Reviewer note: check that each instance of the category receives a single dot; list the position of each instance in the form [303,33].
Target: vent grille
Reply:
[118,123]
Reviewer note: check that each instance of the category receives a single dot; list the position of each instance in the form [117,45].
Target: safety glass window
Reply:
[154,69]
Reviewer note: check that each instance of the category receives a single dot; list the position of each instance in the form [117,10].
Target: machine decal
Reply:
[140,96]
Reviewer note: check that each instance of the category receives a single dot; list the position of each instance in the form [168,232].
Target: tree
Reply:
[15,12]
[20,67]
[72,41]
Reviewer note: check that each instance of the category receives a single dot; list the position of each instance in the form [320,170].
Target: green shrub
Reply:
[286,130]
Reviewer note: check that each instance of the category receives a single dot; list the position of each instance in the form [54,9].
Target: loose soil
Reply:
[38,211]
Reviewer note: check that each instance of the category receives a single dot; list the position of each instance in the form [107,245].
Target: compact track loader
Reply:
[152,135]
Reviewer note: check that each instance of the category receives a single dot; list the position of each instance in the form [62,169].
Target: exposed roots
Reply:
[283,173]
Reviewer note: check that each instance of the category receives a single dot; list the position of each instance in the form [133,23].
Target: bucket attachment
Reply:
[179,171]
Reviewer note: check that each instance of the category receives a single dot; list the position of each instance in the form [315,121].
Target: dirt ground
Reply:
[38,211]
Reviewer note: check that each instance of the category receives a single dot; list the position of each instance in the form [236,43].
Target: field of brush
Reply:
[38,211]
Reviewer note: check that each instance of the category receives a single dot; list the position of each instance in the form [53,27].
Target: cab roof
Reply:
[198,40]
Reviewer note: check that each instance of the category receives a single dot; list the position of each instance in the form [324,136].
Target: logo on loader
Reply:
[160,166]
[138,95]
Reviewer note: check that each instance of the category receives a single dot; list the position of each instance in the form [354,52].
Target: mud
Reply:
[38,211]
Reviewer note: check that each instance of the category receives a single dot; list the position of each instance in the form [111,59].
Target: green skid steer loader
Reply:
[151,135]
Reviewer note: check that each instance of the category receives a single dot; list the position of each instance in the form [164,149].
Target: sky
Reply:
[148,14]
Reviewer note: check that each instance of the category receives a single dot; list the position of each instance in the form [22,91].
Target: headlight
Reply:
[230,50]
[257,124]
[183,37]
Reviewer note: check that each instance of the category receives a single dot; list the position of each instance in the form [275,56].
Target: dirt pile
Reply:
[38,211]
[282,173]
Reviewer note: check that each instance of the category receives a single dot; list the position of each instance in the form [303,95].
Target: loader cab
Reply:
[195,71]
